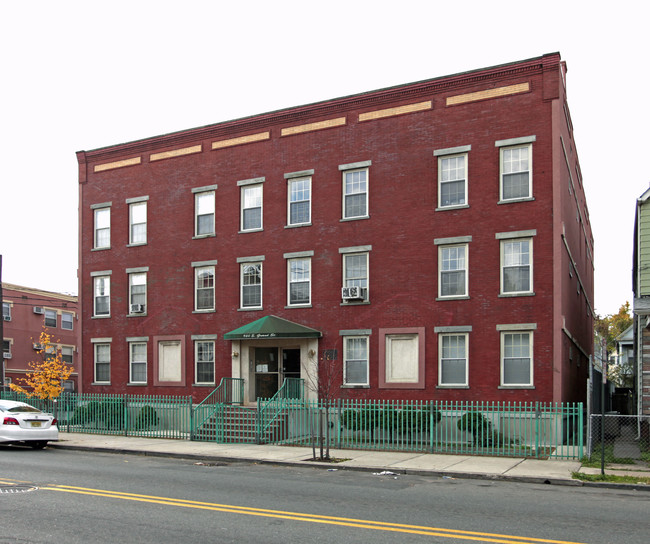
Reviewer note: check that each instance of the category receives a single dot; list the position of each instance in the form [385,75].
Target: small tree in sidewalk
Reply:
[45,378]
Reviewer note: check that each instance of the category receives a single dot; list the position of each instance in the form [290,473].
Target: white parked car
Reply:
[21,422]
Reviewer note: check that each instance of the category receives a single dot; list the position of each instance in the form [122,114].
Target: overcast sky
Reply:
[83,75]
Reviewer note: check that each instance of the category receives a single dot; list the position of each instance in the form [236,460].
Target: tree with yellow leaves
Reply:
[45,378]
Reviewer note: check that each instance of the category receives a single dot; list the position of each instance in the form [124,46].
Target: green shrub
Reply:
[147,418]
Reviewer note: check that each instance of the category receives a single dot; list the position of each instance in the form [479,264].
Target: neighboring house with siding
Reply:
[641,290]
[426,241]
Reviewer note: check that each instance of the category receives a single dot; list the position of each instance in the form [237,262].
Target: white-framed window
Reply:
[137,362]
[517,266]
[102,296]
[6,311]
[516,172]
[102,362]
[204,219]
[452,180]
[452,359]
[251,285]
[355,274]
[452,275]
[137,292]
[67,353]
[204,361]
[138,223]
[355,361]
[204,288]
[299,205]
[299,274]
[6,346]
[67,321]
[516,358]
[251,207]
[50,318]
[102,231]
[355,193]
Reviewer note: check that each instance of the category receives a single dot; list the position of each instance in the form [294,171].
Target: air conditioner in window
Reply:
[38,347]
[6,317]
[38,310]
[137,308]
[6,355]
[353,293]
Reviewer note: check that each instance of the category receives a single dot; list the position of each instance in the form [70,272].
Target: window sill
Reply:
[201,236]
[298,225]
[355,387]
[515,200]
[297,306]
[137,245]
[516,387]
[143,314]
[101,317]
[211,311]
[255,309]
[510,295]
[344,219]
[100,383]
[361,303]
[204,384]
[451,208]
[250,230]
[100,248]
[459,297]
[136,384]
[439,386]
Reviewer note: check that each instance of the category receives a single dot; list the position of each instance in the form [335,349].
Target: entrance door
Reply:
[269,374]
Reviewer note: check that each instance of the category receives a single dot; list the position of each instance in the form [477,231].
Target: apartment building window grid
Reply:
[67,353]
[516,363]
[204,288]
[138,223]
[50,319]
[6,311]
[300,201]
[67,321]
[355,271]
[453,271]
[453,181]
[137,292]
[251,285]
[102,234]
[516,275]
[299,281]
[102,299]
[251,202]
[205,213]
[204,370]
[138,362]
[102,363]
[355,191]
[355,361]
[516,168]
[453,360]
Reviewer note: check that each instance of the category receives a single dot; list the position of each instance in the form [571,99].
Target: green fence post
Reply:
[126,416]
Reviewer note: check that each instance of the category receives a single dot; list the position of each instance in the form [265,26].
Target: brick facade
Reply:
[398,139]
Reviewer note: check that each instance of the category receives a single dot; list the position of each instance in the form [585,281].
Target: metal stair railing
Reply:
[269,412]
[229,391]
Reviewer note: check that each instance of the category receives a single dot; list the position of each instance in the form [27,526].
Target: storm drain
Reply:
[17,488]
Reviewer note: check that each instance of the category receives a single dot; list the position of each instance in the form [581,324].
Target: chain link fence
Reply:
[614,439]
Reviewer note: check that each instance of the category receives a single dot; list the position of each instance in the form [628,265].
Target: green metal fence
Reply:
[537,430]
[154,416]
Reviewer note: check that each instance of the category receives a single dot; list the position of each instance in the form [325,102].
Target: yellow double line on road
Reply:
[313,518]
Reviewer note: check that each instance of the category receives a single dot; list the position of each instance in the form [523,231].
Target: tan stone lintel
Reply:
[175,153]
[241,140]
[399,110]
[489,93]
[117,164]
[320,125]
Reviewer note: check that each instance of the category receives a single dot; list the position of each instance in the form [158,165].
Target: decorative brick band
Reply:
[391,112]
[175,153]
[490,93]
[309,127]
[117,164]
[241,140]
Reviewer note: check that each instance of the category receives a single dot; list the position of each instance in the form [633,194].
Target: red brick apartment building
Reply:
[25,313]
[425,241]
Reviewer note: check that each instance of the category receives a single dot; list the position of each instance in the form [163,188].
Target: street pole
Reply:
[602,407]
[2,333]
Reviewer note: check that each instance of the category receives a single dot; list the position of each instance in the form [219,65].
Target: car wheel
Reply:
[38,444]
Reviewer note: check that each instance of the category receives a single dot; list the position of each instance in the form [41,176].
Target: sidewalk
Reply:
[454,466]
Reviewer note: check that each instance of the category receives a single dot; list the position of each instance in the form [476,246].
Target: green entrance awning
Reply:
[271,326]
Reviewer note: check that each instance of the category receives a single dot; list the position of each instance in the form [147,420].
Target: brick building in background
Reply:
[25,313]
[425,241]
